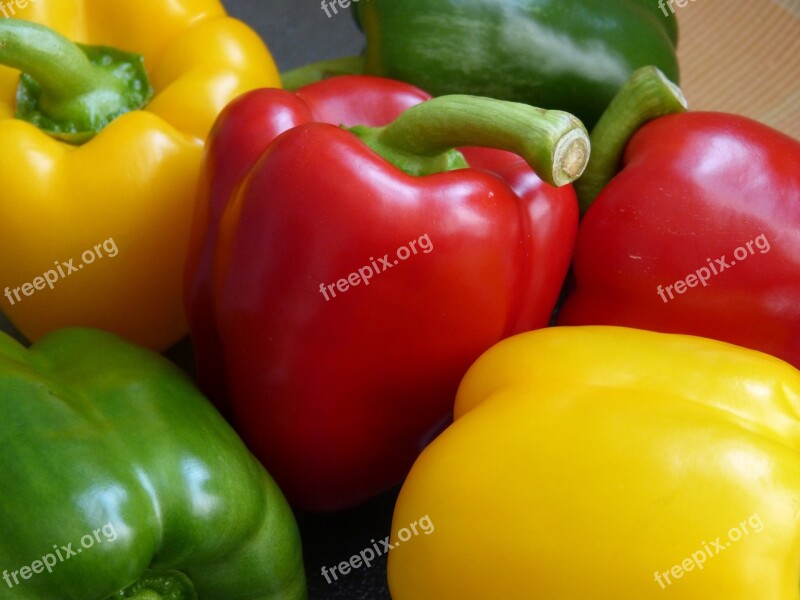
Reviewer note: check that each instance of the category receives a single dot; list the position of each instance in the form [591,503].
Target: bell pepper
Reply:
[125,482]
[696,230]
[571,55]
[607,463]
[102,152]
[341,280]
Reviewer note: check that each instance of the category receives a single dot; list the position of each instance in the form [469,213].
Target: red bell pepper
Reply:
[697,234]
[335,300]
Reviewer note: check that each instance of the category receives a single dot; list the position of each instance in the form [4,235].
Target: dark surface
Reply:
[298,32]
[331,539]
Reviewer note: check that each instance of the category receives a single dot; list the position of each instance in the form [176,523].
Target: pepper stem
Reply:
[172,585]
[554,143]
[647,95]
[70,90]
[302,76]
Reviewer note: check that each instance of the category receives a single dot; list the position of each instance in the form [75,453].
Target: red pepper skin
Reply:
[339,396]
[693,187]
[241,133]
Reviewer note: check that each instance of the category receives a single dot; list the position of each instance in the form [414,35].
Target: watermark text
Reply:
[9,9]
[671,4]
[366,556]
[60,554]
[62,270]
[709,550]
[367,272]
[703,274]
[330,5]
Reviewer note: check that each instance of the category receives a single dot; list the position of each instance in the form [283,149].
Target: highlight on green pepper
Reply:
[123,481]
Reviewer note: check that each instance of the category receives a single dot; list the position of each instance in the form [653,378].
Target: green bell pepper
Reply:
[123,481]
[571,55]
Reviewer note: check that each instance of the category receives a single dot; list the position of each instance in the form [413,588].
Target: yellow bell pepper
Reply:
[610,464]
[96,233]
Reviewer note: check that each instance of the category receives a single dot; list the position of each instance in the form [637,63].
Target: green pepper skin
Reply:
[571,55]
[97,431]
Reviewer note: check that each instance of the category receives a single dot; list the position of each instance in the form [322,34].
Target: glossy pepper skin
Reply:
[709,200]
[99,434]
[571,55]
[133,183]
[587,462]
[337,393]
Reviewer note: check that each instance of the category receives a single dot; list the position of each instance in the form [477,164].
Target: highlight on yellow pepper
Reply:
[100,151]
[610,463]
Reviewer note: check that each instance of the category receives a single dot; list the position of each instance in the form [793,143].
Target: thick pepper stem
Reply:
[68,89]
[167,585]
[647,95]
[554,143]
[308,74]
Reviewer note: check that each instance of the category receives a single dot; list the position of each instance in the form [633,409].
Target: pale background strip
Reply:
[743,56]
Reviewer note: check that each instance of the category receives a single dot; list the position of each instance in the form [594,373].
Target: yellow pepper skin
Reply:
[587,463]
[134,183]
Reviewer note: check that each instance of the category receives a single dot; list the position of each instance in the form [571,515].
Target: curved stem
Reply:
[165,585]
[68,89]
[302,76]
[57,64]
[647,95]
[147,595]
[553,143]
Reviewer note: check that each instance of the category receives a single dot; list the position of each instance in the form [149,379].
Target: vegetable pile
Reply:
[495,260]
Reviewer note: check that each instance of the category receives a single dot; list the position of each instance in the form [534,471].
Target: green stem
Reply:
[56,63]
[553,143]
[163,585]
[301,76]
[148,595]
[70,90]
[647,95]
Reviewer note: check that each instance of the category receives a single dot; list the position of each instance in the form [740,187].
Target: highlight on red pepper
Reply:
[696,233]
[335,300]
[103,144]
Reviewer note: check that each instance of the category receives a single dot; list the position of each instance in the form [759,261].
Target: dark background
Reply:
[298,31]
